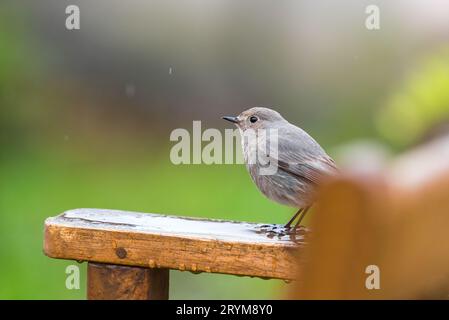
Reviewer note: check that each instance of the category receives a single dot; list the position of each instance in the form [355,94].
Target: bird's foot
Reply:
[279,231]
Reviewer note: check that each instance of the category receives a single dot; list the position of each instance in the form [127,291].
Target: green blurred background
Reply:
[85,115]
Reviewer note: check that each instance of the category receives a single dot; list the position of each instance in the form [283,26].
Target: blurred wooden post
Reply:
[396,220]
[113,282]
[346,238]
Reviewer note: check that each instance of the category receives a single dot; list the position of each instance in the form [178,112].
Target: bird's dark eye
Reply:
[253,119]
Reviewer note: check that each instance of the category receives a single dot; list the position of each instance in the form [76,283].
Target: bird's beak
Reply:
[231,119]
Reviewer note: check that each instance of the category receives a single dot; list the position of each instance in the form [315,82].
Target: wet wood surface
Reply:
[113,282]
[167,242]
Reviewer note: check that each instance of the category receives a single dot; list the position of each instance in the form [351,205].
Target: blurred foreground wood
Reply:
[395,222]
[130,253]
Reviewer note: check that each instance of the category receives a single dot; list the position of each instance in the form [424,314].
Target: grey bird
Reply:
[301,162]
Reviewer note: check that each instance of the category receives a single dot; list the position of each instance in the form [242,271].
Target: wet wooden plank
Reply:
[113,282]
[159,241]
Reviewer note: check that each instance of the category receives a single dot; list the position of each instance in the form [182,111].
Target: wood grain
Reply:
[112,282]
[158,241]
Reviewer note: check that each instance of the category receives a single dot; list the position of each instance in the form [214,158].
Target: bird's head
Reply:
[256,118]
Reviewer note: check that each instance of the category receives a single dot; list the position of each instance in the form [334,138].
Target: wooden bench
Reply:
[129,254]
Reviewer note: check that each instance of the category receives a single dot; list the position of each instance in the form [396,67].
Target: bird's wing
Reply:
[313,170]
[300,155]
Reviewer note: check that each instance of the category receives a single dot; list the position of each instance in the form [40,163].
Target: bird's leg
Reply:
[301,217]
[287,226]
